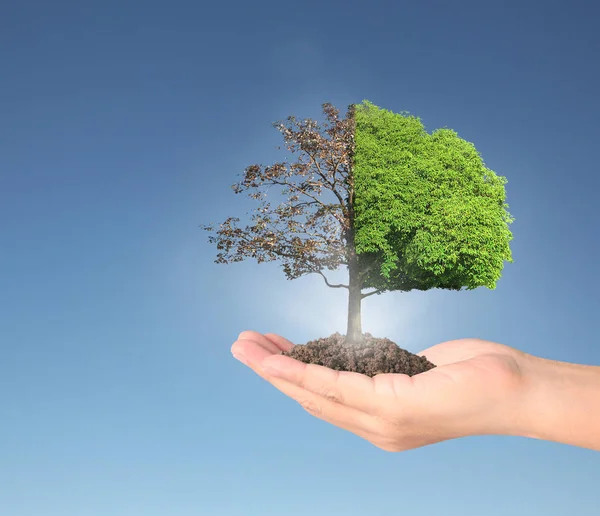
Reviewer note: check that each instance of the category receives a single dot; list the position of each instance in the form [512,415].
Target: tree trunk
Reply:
[354,331]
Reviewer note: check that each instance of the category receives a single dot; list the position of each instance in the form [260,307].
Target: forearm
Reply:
[561,403]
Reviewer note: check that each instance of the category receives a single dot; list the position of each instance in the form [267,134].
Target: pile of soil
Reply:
[372,356]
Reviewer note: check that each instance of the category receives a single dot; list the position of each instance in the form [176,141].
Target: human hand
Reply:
[475,389]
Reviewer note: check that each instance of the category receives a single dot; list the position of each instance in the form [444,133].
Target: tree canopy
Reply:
[427,209]
[406,209]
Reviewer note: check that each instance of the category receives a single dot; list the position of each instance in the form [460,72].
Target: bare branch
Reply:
[371,293]
[332,184]
[305,232]
[329,284]
[298,189]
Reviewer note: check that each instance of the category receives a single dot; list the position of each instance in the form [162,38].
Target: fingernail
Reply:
[241,358]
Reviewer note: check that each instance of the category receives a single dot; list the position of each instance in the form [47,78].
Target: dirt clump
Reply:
[371,357]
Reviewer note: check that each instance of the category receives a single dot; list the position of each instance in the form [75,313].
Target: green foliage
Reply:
[428,212]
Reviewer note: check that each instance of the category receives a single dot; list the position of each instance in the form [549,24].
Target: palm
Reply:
[473,379]
[470,364]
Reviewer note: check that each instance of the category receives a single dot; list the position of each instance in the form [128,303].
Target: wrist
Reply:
[560,402]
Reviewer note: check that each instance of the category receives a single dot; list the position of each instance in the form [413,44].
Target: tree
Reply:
[406,210]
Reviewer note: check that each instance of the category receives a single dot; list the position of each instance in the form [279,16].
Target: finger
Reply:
[347,418]
[281,342]
[386,389]
[254,352]
[258,339]
[363,425]
[251,353]
[347,388]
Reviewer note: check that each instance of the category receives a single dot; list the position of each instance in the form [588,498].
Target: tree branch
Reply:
[304,192]
[371,293]
[329,284]
[324,177]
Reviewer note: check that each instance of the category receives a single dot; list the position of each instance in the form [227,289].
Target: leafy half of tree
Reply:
[426,205]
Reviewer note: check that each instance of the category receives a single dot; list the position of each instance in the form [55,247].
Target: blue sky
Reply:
[123,125]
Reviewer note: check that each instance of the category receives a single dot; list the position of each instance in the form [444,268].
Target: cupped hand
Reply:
[476,389]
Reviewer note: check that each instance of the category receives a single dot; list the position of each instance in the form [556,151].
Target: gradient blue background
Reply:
[123,125]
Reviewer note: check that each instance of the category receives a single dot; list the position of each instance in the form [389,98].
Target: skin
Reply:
[478,388]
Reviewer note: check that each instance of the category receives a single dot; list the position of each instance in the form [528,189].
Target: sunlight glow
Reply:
[313,310]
